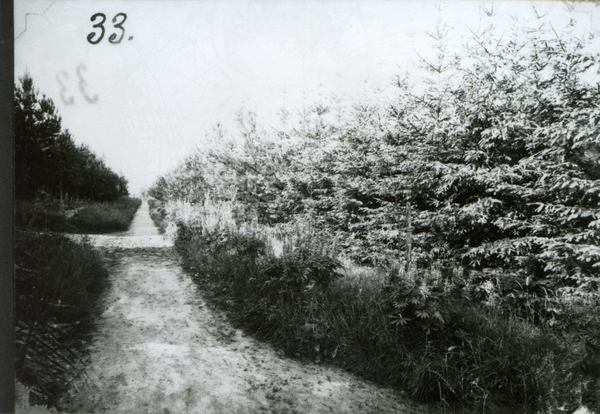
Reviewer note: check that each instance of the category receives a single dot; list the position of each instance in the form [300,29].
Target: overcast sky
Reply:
[183,66]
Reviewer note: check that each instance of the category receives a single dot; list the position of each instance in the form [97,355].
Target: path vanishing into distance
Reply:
[159,349]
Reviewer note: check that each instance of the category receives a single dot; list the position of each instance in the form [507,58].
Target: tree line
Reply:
[48,159]
[499,156]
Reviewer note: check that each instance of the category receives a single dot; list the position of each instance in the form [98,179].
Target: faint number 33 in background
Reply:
[63,77]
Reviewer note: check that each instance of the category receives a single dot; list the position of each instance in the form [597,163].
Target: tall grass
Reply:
[57,286]
[76,216]
[441,336]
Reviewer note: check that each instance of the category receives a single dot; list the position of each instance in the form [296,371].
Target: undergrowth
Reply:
[57,286]
[76,216]
[158,215]
[459,338]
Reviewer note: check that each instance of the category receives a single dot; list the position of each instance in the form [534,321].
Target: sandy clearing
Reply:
[159,349]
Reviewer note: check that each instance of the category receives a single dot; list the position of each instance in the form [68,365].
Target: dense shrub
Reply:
[477,346]
[57,285]
[297,271]
[158,214]
[106,217]
[76,216]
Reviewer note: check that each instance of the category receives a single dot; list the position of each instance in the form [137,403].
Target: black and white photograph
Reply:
[306,206]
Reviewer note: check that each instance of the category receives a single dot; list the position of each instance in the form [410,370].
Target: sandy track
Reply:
[159,349]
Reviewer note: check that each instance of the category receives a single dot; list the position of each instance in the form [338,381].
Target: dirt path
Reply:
[159,349]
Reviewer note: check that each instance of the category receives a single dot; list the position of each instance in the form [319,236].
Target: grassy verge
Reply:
[74,216]
[439,338]
[57,286]
[158,214]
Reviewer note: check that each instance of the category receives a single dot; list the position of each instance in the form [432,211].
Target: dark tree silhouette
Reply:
[47,158]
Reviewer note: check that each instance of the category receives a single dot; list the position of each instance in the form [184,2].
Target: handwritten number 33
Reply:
[100,25]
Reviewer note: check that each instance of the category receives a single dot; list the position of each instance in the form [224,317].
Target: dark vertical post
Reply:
[408,234]
[7,191]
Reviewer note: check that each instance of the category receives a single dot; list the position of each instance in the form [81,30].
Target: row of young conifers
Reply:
[300,230]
